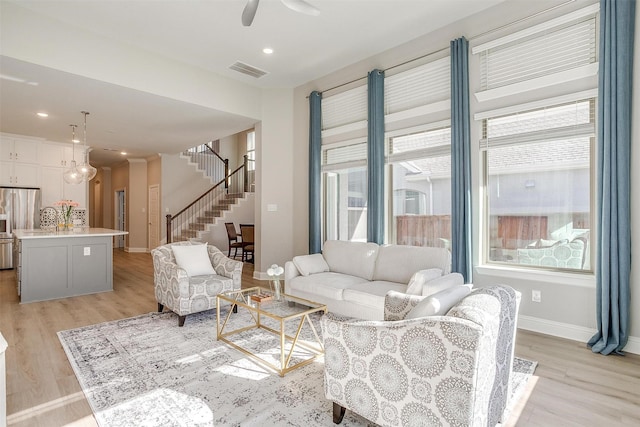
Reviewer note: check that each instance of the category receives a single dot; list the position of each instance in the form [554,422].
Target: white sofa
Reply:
[352,278]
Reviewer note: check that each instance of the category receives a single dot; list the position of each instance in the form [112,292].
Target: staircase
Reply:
[209,216]
[208,162]
[198,217]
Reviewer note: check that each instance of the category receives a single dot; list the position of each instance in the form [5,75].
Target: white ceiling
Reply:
[207,34]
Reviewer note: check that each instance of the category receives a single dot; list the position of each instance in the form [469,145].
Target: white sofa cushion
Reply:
[352,258]
[371,294]
[194,259]
[329,285]
[440,283]
[421,277]
[439,303]
[310,264]
[397,263]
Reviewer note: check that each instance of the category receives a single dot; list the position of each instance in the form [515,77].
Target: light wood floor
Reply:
[571,386]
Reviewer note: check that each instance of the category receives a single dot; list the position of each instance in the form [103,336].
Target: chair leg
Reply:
[181,320]
[160,307]
[338,413]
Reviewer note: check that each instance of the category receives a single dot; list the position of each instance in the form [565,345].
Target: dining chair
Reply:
[234,243]
[247,234]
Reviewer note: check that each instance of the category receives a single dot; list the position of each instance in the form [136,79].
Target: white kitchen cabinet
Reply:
[54,188]
[19,150]
[51,188]
[15,174]
[19,162]
[54,154]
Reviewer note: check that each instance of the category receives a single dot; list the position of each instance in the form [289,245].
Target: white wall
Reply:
[568,301]
[229,150]
[274,180]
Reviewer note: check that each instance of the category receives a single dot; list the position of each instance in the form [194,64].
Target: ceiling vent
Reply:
[247,69]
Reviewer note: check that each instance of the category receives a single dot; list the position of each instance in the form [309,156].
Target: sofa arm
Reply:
[398,304]
[290,271]
[393,371]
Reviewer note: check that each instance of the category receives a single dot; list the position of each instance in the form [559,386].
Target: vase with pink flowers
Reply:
[66,210]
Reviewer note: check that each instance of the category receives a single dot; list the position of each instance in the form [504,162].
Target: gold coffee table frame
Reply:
[242,298]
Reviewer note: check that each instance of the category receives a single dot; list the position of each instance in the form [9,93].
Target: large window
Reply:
[418,154]
[419,170]
[537,156]
[345,191]
[344,165]
[538,172]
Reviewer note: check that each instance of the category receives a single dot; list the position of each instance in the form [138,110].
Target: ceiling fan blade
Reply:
[302,7]
[249,12]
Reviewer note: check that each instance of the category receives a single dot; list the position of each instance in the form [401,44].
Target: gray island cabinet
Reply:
[61,264]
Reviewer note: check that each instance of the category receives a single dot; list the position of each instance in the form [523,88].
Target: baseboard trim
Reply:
[260,275]
[136,250]
[568,331]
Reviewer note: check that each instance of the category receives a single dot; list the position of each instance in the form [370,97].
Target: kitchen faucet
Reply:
[55,212]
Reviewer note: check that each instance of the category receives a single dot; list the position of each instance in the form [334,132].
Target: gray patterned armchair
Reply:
[451,370]
[187,295]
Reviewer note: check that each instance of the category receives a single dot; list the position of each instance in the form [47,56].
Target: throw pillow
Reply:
[194,259]
[421,277]
[440,283]
[310,264]
[439,303]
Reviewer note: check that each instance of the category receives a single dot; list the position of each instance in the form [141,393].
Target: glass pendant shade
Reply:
[72,175]
[87,171]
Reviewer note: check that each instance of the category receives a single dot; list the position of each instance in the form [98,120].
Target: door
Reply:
[121,222]
[154,216]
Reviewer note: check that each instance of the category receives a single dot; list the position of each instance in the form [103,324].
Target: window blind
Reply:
[553,123]
[551,53]
[419,86]
[344,155]
[428,143]
[344,108]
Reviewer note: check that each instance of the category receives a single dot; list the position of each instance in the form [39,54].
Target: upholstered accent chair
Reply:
[451,370]
[186,295]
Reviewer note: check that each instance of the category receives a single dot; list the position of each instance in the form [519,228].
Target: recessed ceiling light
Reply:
[124,153]
[43,115]
[75,141]
[267,50]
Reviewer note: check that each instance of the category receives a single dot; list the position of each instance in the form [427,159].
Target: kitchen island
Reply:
[59,264]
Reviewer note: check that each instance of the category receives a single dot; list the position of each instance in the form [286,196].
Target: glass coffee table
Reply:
[285,318]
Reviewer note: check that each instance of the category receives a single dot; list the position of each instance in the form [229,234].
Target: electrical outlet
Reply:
[536,296]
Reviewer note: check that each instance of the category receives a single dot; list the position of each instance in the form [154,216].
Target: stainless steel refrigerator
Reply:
[19,209]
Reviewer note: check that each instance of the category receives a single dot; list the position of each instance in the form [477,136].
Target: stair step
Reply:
[198,226]
[206,219]
[188,234]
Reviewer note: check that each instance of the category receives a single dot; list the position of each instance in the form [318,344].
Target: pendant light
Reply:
[87,171]
[73,175]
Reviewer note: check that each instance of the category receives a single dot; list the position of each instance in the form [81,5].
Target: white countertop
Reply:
[74,232]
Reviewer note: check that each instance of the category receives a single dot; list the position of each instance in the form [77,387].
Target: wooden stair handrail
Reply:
[224,182]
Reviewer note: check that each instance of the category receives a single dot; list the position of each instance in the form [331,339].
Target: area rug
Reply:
[147,371]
